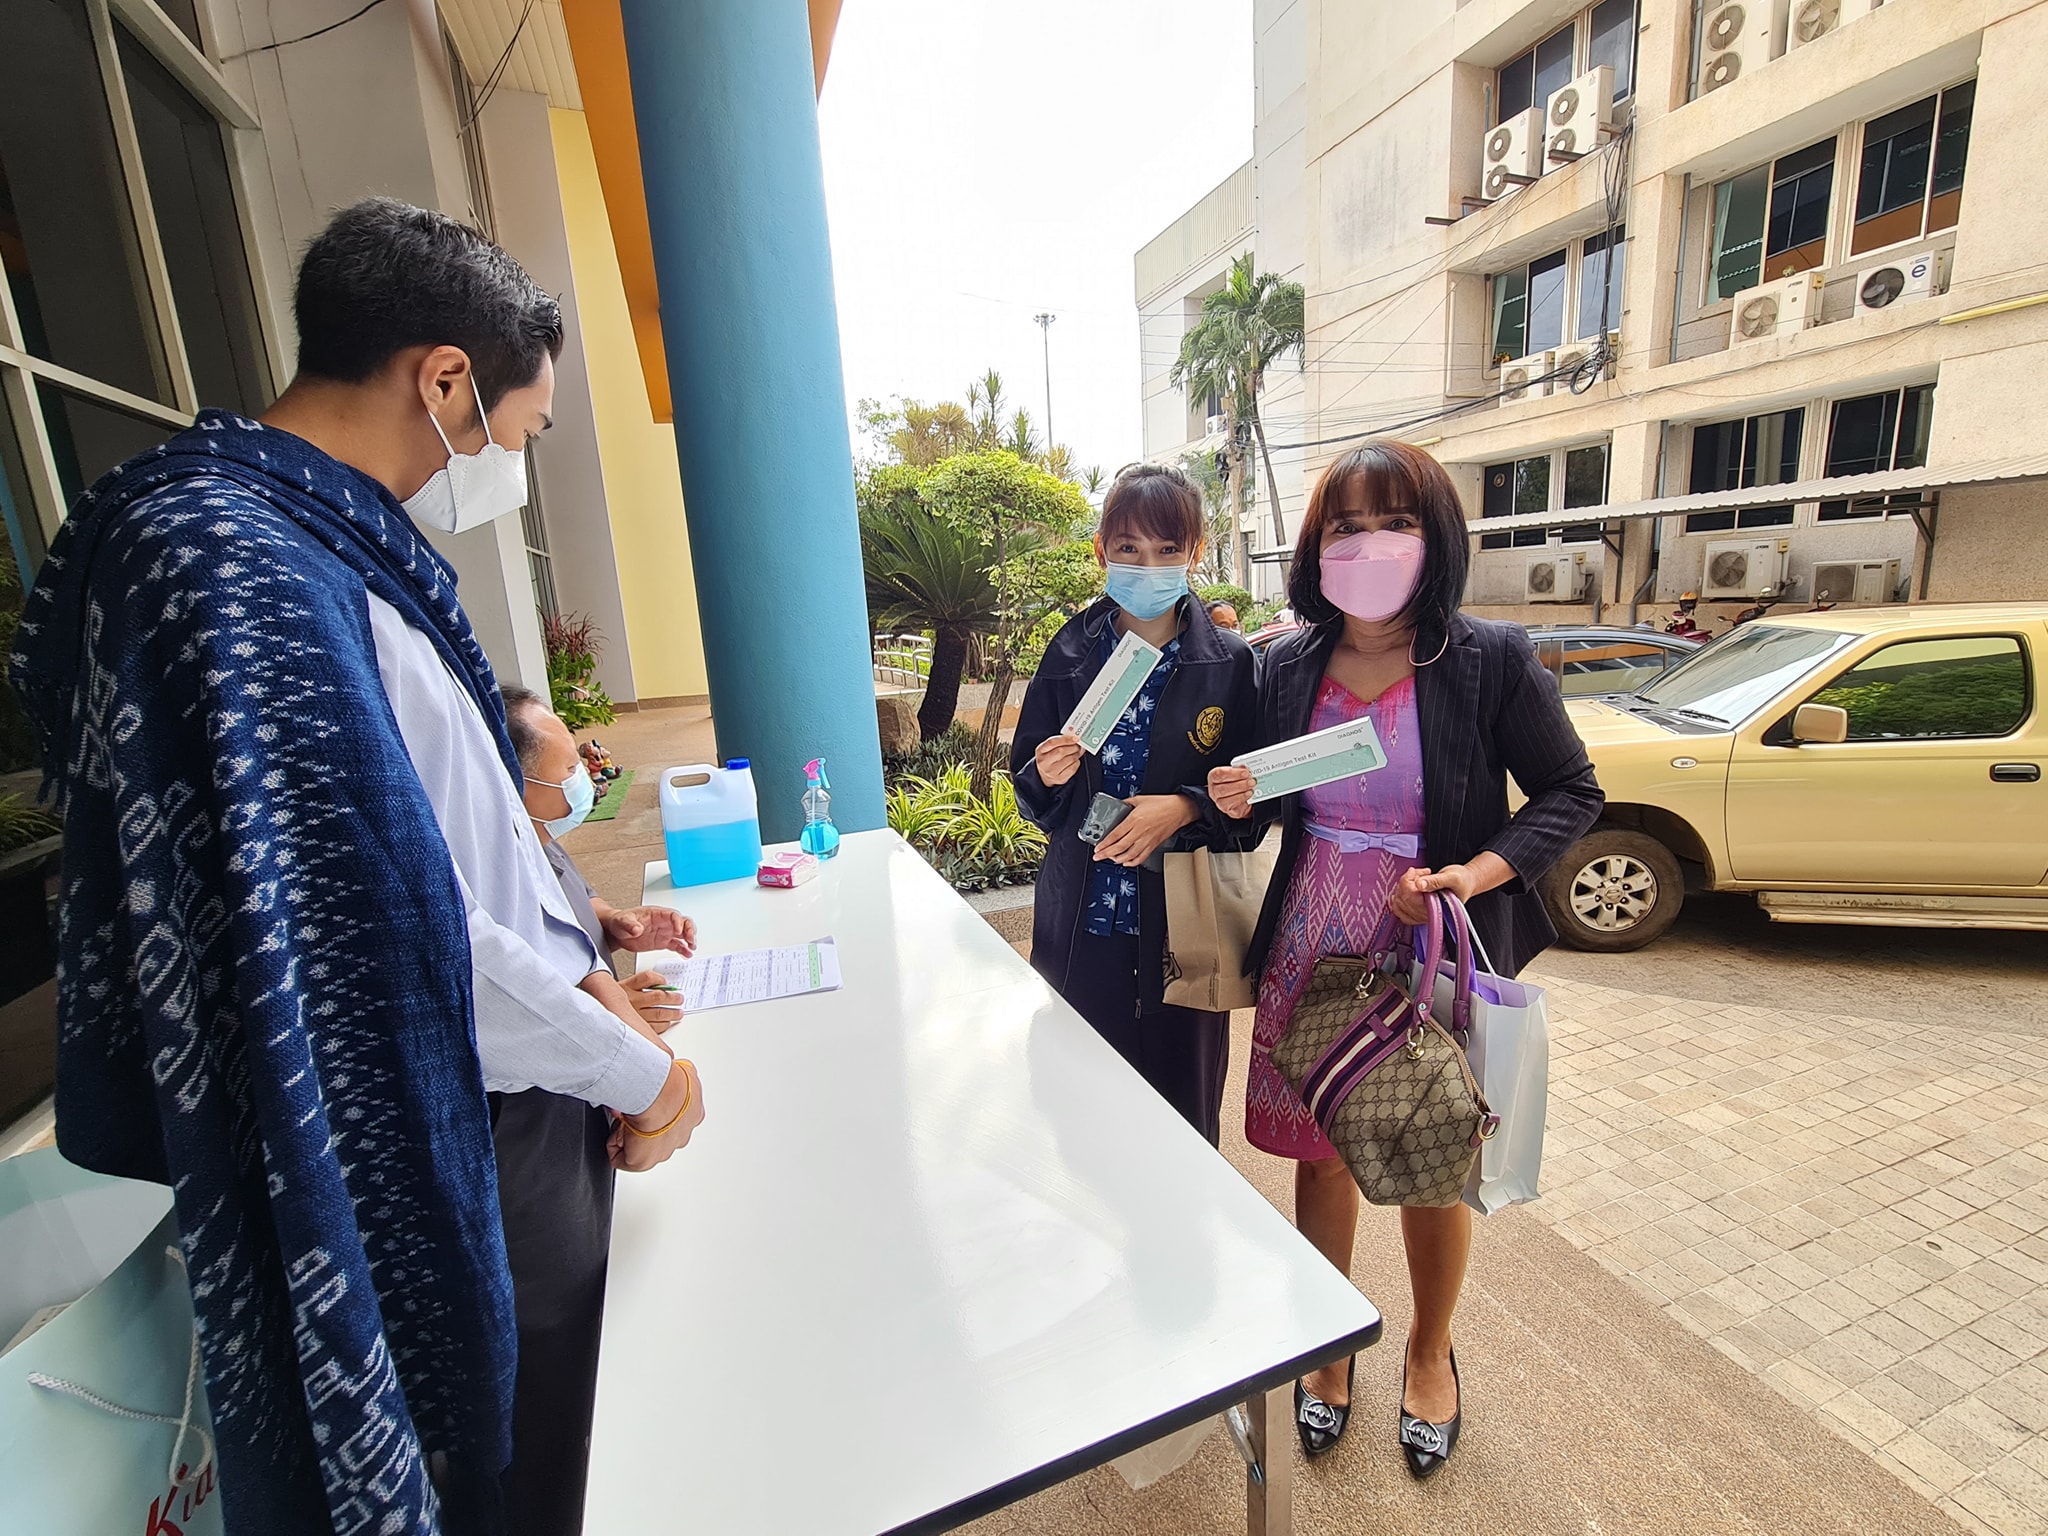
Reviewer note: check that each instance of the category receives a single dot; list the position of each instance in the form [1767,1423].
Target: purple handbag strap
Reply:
[1459,921]
[1433,957]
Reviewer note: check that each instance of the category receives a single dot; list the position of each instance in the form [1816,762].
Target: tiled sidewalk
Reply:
[1855,1209]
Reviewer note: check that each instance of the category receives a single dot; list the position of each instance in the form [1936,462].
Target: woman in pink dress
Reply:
[1458,704]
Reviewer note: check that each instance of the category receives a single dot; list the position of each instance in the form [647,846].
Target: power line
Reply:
[304,37]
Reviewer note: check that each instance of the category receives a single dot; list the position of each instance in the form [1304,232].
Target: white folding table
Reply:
[934,1248]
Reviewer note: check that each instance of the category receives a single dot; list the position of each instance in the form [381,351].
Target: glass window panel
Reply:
[1739,232]
[1521,486]
[1532,484]
[1613,30]
[89,438]
[1600,280]
[201,229]
[1892,181]
[1497,499]
[184,17]
[1585,476]
[66,237]
[23,531]
[1716,458]
[1511,314]
[1917,689]
[1951,151]
[1860,441]
[1546,301]
[1773,453]
[1515,87]
[1608,665]
[1554,69]
[1916,424]
[1796,240]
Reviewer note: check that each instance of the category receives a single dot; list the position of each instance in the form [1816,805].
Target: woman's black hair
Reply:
[1154,501]
[384,276]
[1397,477]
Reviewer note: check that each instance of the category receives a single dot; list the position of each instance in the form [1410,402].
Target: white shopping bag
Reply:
[1149,1463]
[1509,1050]
[103,1422]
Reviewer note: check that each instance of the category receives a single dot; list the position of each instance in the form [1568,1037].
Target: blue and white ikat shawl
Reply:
[264,974]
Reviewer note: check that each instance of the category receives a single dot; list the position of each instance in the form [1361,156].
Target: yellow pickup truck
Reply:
[1871,765]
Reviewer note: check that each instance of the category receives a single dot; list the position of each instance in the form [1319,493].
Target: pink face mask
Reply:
[1371,576]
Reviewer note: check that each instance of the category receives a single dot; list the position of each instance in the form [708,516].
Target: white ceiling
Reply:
[540,60]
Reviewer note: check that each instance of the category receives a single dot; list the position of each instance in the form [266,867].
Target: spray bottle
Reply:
[820,838]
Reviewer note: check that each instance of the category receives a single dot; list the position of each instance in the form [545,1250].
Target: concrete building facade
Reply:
[1780,244]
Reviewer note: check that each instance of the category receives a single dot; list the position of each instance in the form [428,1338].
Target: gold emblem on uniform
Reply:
[1208,729]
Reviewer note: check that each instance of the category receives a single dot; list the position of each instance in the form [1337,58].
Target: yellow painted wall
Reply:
[641,482]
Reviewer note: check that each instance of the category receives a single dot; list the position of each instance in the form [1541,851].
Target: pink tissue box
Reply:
[784,870]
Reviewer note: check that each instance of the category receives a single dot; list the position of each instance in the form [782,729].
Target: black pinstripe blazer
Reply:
[1489,708]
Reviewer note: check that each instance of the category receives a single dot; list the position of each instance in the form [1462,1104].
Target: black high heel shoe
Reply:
[1428,1446]
[1321,1424]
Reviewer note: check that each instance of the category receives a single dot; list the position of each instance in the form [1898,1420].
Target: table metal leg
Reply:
[1269,1477]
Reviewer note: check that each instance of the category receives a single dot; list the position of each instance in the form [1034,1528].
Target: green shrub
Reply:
[1224,592]
[951,747]
[973,843]
[22,823]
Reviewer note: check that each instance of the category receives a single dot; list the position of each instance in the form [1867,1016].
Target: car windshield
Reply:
[1733,678]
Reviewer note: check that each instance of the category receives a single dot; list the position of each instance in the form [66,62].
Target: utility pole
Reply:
[1045,335]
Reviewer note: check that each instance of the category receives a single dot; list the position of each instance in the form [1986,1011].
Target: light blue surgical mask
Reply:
[1145,591]
[581,794]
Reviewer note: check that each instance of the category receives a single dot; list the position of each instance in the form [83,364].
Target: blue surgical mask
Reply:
[581,794]
[1145,591]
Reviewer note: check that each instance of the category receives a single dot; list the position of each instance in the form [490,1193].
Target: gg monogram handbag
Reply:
[1386,1082]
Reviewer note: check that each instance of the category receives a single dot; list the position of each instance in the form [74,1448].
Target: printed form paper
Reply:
[1321,757]
[1112,691]
[753,975]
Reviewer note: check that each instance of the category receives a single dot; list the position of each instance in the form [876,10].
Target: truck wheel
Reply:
[1615,890]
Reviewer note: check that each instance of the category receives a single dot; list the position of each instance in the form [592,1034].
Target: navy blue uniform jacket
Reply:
[1206,716]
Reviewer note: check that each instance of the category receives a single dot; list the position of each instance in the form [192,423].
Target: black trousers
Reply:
[555,1197]
[1114,983]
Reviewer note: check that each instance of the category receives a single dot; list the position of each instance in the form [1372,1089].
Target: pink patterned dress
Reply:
[1334,900]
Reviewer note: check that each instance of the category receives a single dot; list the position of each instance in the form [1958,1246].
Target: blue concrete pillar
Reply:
[724,94]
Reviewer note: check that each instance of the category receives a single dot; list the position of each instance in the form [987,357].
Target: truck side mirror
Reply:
[1827,724]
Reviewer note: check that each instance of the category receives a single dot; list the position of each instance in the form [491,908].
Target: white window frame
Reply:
[1849,182]
[1574,268]
[20,370]
[1581,26]
[1559,536]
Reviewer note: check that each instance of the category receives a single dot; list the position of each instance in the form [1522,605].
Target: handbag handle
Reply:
[1432,958]
[1459,921]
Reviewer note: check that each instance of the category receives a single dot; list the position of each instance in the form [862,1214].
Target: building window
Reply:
[1601,264]
[1772,221]
[133,304]
[1735,455]
[1919,690]
[1874,433]
[1910,180]
[1606,34]
[1558,481]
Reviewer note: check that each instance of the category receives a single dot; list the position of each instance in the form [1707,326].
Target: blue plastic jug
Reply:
[711,822]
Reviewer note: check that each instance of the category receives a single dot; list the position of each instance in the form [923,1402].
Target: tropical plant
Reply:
[973,841]
[574,643]
[1218,521]
[22,823]
[1248,325]
[952,747]
[925,573]
[1016,508]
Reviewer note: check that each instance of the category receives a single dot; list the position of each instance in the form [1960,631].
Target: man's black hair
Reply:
[520,704]
[384,276]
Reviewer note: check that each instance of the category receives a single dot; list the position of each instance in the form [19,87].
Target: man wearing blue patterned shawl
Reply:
[304,923]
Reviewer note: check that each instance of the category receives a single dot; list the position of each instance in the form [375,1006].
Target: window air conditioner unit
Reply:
[1739,37]
[1553,578]
[1513,148]
[1215,424]
[1569,362]
[1526,377]
[1918,276]
[1744,568]
[1856,581]
[1790,304]
[1812,20]
[1578,114]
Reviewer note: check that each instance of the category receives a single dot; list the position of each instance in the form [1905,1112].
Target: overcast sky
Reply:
[986,162]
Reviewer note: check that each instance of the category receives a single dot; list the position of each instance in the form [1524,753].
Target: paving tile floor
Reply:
[1854,1209]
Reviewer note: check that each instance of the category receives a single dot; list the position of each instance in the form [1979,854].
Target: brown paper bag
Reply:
[1212,909]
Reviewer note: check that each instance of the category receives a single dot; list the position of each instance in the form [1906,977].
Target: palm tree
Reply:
[1249,324]
[924,573]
